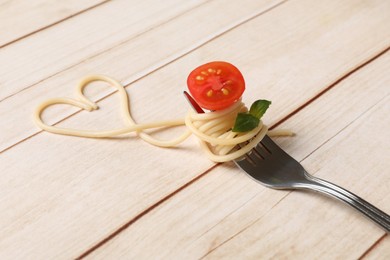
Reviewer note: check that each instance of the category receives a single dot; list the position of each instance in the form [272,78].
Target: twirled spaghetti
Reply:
[213,129]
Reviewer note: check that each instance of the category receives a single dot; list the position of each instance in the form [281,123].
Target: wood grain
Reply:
[75,40]
[23,18]
[60,196]
[228,215]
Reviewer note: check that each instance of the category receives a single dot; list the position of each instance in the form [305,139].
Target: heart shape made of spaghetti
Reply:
[84,103]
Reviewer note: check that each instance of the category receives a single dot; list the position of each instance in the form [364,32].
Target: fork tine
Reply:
[270,145]
[245,163]
[267,141]
[259,150]
[257,156]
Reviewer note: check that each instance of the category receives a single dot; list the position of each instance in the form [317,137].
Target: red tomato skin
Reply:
[216,85]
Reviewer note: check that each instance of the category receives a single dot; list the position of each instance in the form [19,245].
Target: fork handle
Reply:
[369,210]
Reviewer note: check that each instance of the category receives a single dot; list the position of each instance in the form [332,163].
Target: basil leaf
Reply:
[245,122]
[259,107]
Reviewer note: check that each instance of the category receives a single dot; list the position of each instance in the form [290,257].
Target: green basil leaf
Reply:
[259,107]
[245,122]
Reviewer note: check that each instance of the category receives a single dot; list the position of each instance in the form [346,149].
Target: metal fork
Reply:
[270,165]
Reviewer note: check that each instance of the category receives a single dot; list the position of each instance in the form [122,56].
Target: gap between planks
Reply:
[151,70]
[189,50]
[143,213]
[242,230]
[54,23]
[307,103]
[373,246]
[98,53]
[358,67]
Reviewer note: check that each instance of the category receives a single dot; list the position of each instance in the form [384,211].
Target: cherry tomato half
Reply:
[216,85]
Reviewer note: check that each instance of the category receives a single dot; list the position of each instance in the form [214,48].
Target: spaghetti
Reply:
[213,129]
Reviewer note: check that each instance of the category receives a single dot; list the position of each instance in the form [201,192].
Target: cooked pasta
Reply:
[213,129]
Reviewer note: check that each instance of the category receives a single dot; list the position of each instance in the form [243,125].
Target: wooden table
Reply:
[324,64]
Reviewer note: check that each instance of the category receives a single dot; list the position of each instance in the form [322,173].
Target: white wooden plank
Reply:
[228,215]
[58,48]
[19,18]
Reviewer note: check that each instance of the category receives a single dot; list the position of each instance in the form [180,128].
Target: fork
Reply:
[270,165]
